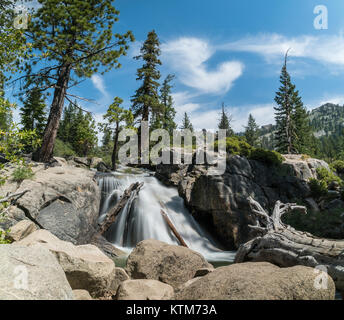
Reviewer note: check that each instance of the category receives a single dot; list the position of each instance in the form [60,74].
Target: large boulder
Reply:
[221,201]
[31,274]
[258,281]
[144,290]
[86,267]
[64,200]
[174,265]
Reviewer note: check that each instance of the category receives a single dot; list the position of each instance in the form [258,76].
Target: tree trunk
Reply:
[46,151]
[115,147]
[286,247]
[173,229]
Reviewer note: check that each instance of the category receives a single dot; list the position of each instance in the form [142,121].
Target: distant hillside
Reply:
[327,121]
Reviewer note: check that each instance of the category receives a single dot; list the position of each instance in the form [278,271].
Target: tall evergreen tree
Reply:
[285,135]
[146,98]
[169,112]
[252,131]
[293,133]
[33,115]
[186,123]
[304,142]
[225,121]
[72,40]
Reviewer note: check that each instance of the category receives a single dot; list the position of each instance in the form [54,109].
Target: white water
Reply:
[141,219]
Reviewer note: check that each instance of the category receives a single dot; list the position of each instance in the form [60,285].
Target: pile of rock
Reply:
[41,266]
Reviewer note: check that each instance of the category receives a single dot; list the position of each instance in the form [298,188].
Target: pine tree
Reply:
[85,139]
[304,142]
[285,135]
[252,131]
[72,40]
[117,117]
[146,98]
[186,123]
[33,115]
[169,112]
[225,121]
[68,121]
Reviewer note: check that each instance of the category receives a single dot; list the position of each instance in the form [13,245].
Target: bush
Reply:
[22,173]
[338,166]
[328,176]
[267,156]
[3,237]
[318,188]
[63,149]
[235,146]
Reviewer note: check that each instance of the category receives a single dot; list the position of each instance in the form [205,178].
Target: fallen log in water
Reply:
[174,230]
[284,246]
[110,218]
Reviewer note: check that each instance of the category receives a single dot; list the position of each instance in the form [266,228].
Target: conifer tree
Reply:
[225,121]
[33,115]
[186,123]
[71,40]
[146,99]
[252,131]
[169,112]
[117,117]
[293,133]
[285,98]
[304,141]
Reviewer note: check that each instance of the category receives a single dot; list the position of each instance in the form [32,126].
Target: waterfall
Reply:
[141,218]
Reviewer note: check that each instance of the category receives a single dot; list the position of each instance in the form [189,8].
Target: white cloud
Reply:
[188,56]
[324,49]
[98,82]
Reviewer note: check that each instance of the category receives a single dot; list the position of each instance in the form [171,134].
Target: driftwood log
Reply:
[284,246]
[110,218]
[174,230]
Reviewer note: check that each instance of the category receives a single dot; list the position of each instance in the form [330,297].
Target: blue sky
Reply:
[229,51]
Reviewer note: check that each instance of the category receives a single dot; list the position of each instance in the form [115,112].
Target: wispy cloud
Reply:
[188,57]
[324,49]
[98,82]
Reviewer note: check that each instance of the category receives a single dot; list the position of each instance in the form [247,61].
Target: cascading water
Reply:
[141,218]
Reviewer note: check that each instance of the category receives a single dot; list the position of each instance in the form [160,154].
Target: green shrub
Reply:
[22,173]
[338,166]
[267,156]
[63,149]
[328,176]
[318,188]
[236,146]
[3,237]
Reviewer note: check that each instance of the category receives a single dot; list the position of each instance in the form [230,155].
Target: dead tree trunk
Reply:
[174,230]
[110,218]
[286,247]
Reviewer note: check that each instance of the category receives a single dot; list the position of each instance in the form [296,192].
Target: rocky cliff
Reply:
[221,201]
